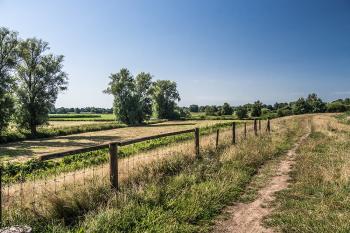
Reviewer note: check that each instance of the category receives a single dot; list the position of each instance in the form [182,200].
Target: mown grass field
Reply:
[28,149]
[177,194]
[81,117]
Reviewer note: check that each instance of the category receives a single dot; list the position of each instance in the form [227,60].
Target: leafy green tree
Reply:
[164,98]
[143,85]
[132,102]
[8,60]
[40,78]
[315,104]
[194,108]
[241,112]
[256,109]
[210,110]
[300,106]
[226,109]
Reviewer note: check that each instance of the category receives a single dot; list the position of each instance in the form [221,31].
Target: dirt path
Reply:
[248,217]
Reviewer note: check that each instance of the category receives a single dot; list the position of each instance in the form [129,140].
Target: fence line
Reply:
[109,173]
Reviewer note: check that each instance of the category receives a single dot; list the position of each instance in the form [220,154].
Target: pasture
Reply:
[22,151]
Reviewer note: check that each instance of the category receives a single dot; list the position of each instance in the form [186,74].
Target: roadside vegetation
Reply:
[318,197]
[178,194]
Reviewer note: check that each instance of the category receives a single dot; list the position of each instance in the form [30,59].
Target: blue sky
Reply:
[217,51]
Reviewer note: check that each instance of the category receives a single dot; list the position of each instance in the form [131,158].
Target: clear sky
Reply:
[217,51]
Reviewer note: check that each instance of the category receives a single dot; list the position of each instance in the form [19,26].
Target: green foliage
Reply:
[194,108]
[337,106]
[78,115]
[45,132]
[300,107]
[226,109]
[241,112]
[132,103]
[8,60]
[285,111]
[316,105]
[211,110]
[164,97]
[256,109]
[39,78]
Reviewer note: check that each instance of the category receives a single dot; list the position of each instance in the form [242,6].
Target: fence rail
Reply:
[113,166]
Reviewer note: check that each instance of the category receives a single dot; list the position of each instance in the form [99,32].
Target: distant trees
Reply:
[8,61]
[164,97]
[39,79]
[226,109]
[136,99]
[194,108]
[256,109]
[241,112]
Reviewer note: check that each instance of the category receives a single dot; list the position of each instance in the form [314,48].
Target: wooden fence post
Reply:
[196,142]
[245,130]
[255,127]
[268,127]
[217,139]
[113,165]
[259,125]
[234,133]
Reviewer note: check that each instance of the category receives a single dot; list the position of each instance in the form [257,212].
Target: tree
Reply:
[256,109]
[40,78]
[210,110]
[194,108]
[132,102]
[226,109]
[143,92]
[315,104]
[300,106]
[241,112]
[164,97]
[8,60]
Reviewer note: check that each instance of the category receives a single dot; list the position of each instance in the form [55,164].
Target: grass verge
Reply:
[318,198]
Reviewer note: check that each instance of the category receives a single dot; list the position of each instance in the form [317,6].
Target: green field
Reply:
[81,117]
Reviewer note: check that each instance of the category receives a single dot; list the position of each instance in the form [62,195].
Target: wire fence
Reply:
[29,192]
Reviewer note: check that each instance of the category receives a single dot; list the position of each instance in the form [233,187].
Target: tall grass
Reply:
[318,198]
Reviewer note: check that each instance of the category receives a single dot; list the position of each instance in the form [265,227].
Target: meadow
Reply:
[164,187]
[177,192]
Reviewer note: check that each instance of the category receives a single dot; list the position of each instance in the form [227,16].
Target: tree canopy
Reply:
[164,97]
[39,79]
[8,60]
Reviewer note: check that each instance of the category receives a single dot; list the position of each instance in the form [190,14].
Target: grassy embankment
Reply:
[179,194]
[318,198]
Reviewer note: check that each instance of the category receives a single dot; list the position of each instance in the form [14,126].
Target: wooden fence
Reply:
[115,145]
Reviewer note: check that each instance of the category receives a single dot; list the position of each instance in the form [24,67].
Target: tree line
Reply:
[311,104]
[138,98]
[31,78]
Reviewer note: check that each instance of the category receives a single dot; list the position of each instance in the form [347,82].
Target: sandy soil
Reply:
[247,217]
[21,151]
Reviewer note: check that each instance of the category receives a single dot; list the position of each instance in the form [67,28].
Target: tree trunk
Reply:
[33,130]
